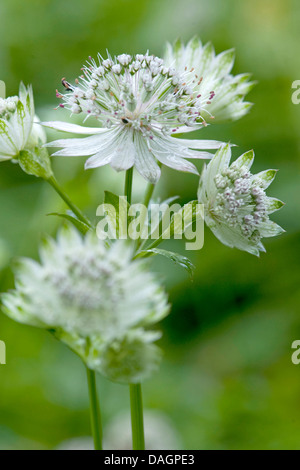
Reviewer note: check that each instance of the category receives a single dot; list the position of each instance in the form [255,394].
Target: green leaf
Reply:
[83,228]
[180,260]
[184,219]
[116,208]
[35,162]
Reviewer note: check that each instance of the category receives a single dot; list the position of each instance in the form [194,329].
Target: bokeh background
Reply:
[227,380]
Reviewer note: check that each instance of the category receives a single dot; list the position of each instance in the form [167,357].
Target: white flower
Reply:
[84,286]
[130,357]
[139,103]
[94,298]
[236,206]
[210,76]
[18,131]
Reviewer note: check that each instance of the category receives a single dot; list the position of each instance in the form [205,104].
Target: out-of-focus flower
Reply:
[77,443]
[236,206]
[139,103]
[95,299]
[21,137]
[208,74]
[128,357]
[160,432]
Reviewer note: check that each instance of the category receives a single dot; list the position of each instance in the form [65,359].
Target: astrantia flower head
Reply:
[94,298]
[85,287]
[130,357]
[139,103]
[17,128]
[21,137]
[208,73]
[236,206]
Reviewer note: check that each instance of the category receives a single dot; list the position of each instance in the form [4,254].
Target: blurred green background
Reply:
[227,380]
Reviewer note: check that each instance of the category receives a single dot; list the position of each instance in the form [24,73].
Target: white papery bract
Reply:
[139,103]
[95,299]
[18,129]
[130,357]
[208,74]
[236,206]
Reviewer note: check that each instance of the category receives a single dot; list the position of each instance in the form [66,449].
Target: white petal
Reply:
[186,129]
[4,157]
[246,160]
[175,162]
[7,146]
[145,162]
[219,161]
[264,178]
[270,229]
[124,154]
[97,160]
[73,128]
[232,237]
[18,125]
[80,147]
[201,144]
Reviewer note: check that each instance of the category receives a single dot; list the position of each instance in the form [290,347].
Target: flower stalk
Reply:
[137,419]
[128,184]
[55,185]
[94,409]
[136,402]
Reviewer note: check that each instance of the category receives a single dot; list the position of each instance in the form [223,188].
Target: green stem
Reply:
[136,403]
[156,242]
[148,194]
[52,181]
[94,409]
[128,184]
[137,420]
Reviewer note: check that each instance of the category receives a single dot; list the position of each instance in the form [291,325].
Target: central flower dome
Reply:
[137,92]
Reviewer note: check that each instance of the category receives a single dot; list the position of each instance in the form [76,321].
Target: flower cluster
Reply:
[139,103]
[21,135]
[95,299]
[236,206]
[136,91]
[18,131]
